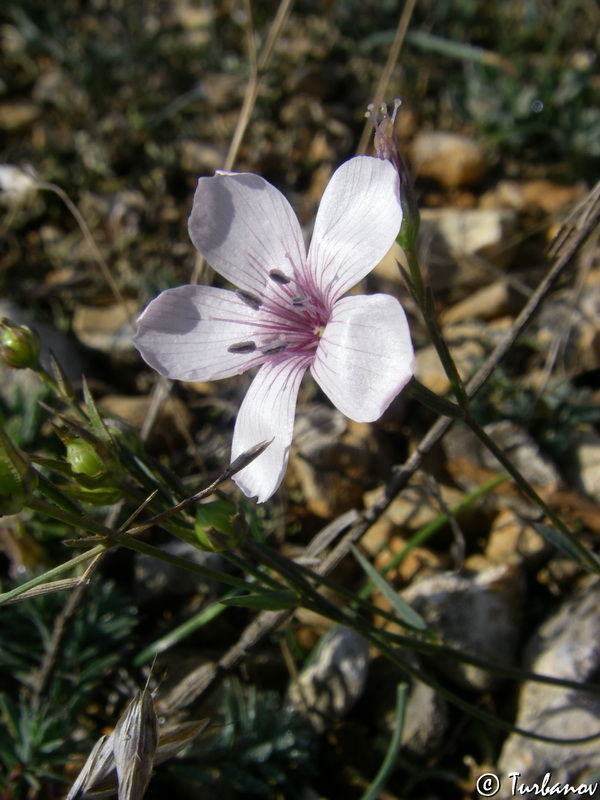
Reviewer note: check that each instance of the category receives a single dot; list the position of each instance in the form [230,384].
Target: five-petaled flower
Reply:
[287,314]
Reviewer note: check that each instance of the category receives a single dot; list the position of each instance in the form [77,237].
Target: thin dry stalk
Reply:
[257,68]
[386,75]
[162,387]
[104,268]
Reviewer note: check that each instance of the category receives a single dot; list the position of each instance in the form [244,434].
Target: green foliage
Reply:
[36,735]
[546,116]
[552,417]
[261,749]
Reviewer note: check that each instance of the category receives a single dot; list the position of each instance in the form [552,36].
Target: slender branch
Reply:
[386,75]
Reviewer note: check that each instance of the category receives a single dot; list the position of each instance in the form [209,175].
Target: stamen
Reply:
[242,347]
[299,301]
[279,277]
[250,299]
[274,349]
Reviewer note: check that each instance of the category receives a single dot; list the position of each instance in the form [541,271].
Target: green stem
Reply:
[391,757]
[424,299]
[87,523]
[52,573]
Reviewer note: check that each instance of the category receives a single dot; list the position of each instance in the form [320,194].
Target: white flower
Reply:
[288,314]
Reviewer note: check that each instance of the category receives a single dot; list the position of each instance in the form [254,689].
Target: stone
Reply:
[332,459]
[570,319]
[469,343]
[171,428]
[535,195]
[464,448]
[326,690]
[566,645]
[513,540]
[108,329]
[490,302]
[451,159]
[477,613]
[425,714]
[55,87]
[586,455]
[479,233]
[17,114]
[417,505]
[201,158]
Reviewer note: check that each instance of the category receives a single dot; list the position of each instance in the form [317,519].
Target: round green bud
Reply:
[84,459]
[216,525]
[19,346]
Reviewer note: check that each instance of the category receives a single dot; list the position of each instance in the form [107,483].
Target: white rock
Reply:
[478,614]
[478,232]
[328,688]
[566,645]
[452,159]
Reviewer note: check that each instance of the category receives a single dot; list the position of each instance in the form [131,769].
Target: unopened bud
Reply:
[19,346]
[84,459]
[18,478]
[217,525]
[387,148]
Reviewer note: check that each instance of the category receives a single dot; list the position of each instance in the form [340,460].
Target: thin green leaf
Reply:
[273,601]
[98,425]
[390,760]
[51,492]
[180,633]
[18,591]
[585,558]
[407,615]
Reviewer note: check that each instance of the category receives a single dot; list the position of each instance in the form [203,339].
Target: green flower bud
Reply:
[84,459]
[19,346]
[217,525]
[18,478]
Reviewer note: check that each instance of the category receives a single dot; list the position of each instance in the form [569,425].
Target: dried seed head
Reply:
[96,770]
[135,743]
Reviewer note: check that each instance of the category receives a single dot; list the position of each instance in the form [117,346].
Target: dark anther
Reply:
[250,299]
[278,276]
[299,301]
[274,349]
[242,347]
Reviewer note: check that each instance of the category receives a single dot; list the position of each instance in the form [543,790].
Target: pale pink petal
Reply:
[357,223]
[365,356]
[245,227]
[266,414]
[185,332]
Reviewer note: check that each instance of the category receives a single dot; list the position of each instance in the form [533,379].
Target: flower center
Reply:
[290,321]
